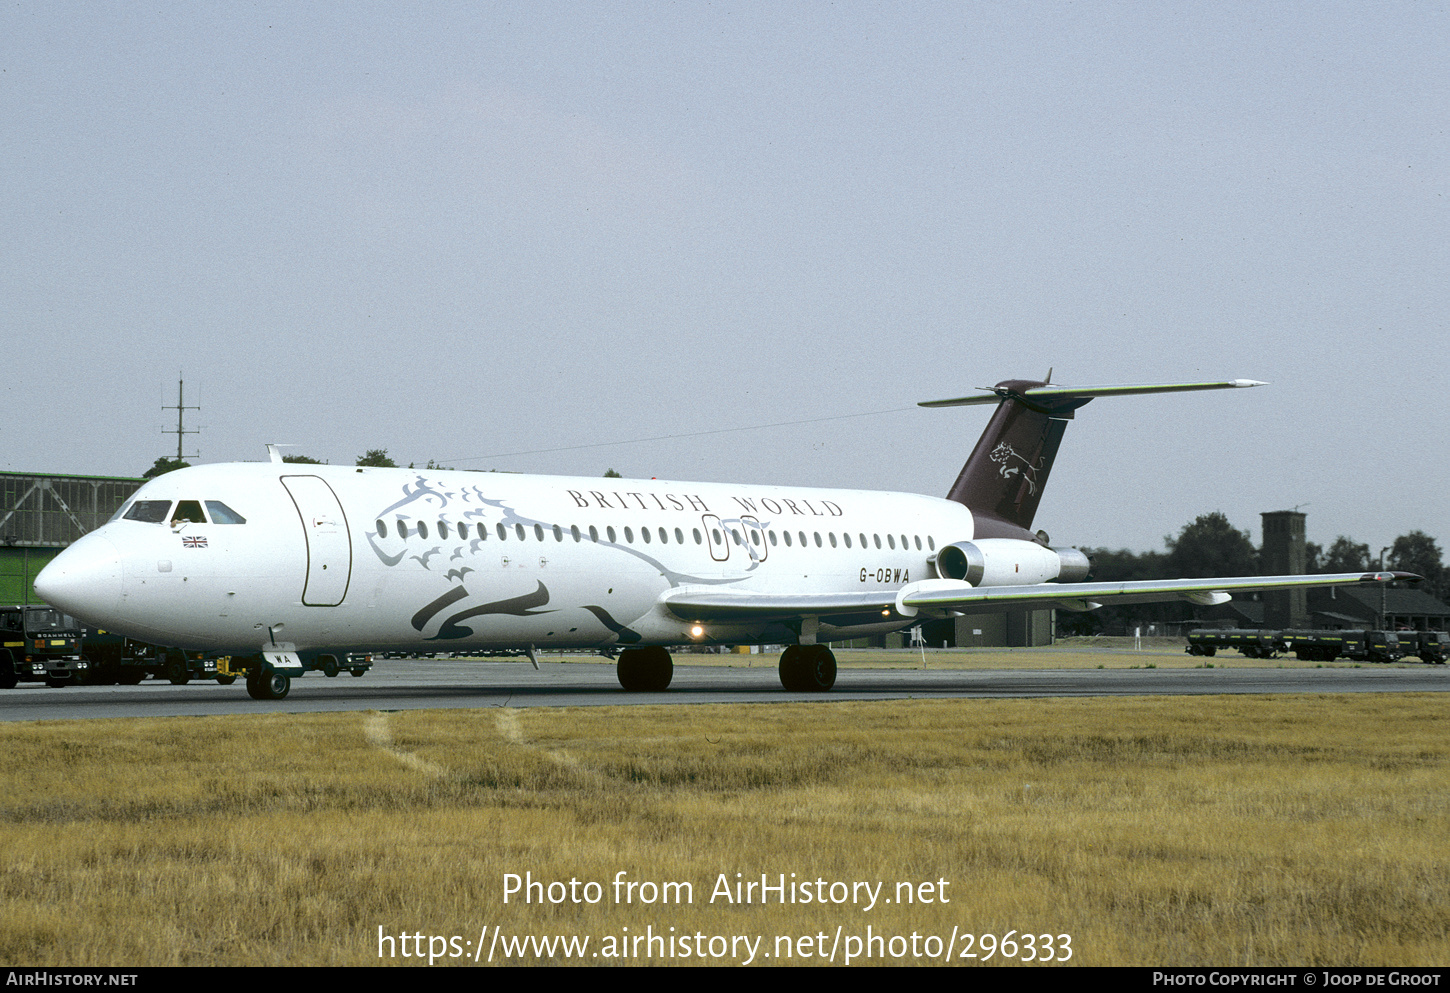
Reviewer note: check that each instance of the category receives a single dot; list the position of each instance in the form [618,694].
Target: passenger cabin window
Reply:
[148,511]
[382,529]
[423,530]
[503,532]
[482,532]
[222,514]
[402,529]
[519,530]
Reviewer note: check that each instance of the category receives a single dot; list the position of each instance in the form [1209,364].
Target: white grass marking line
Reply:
[375,727]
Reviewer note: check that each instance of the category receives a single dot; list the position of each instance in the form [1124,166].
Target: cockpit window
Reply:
[188,510]
[148,511]
[222,514]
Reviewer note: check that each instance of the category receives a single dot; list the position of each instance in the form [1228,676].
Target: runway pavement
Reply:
[422,684]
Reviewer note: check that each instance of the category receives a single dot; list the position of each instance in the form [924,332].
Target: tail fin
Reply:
[1003,479]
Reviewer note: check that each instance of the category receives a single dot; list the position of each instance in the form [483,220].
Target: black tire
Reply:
[357,672]
[130,676]
[807,669]
[330,668]
[645,670]
[819,671]
[56,684]
[226,680]
[176,671]
[8,678]
[791,664]
[264,685]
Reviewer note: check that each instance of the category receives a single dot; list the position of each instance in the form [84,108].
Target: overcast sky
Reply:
[492,234]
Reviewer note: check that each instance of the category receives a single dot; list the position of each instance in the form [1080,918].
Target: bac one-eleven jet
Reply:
[273,563]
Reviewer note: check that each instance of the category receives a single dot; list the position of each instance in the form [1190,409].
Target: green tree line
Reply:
[1211,546]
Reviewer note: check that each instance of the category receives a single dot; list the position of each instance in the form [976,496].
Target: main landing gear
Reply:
[645,670]
[807,668]
[263,684]
[803,669]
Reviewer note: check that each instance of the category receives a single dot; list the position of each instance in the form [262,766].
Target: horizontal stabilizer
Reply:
[1048,393]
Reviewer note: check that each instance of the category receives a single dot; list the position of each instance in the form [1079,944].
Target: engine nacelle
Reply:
[1009,562]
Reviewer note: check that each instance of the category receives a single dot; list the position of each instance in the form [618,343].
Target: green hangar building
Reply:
[40,515]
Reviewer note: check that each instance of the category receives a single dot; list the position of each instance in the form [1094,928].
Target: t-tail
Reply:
[1004,477]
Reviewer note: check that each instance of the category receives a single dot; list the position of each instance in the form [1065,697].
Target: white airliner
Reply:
[276,562]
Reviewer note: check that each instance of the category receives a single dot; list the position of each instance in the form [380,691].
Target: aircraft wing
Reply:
[945,597]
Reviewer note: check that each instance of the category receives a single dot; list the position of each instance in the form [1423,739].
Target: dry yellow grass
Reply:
[1229,830]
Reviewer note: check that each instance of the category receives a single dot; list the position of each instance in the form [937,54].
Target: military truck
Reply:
[39,644]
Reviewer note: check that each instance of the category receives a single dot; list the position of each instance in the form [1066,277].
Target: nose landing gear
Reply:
[264,684]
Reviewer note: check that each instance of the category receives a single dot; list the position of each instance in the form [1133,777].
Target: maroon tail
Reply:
[1004,476]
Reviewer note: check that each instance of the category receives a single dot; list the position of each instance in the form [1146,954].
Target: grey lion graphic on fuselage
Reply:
[1029,471]
[429,506]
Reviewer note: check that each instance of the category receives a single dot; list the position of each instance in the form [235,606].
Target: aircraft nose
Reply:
[84,580]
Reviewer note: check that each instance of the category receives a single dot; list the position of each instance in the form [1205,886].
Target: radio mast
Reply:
[181,408]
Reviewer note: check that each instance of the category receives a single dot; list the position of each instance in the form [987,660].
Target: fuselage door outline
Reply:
[328,540]
[716,537]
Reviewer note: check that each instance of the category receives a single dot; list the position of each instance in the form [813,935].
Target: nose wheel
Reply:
[263,684]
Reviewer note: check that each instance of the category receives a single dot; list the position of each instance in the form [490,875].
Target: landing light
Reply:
[697,631]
